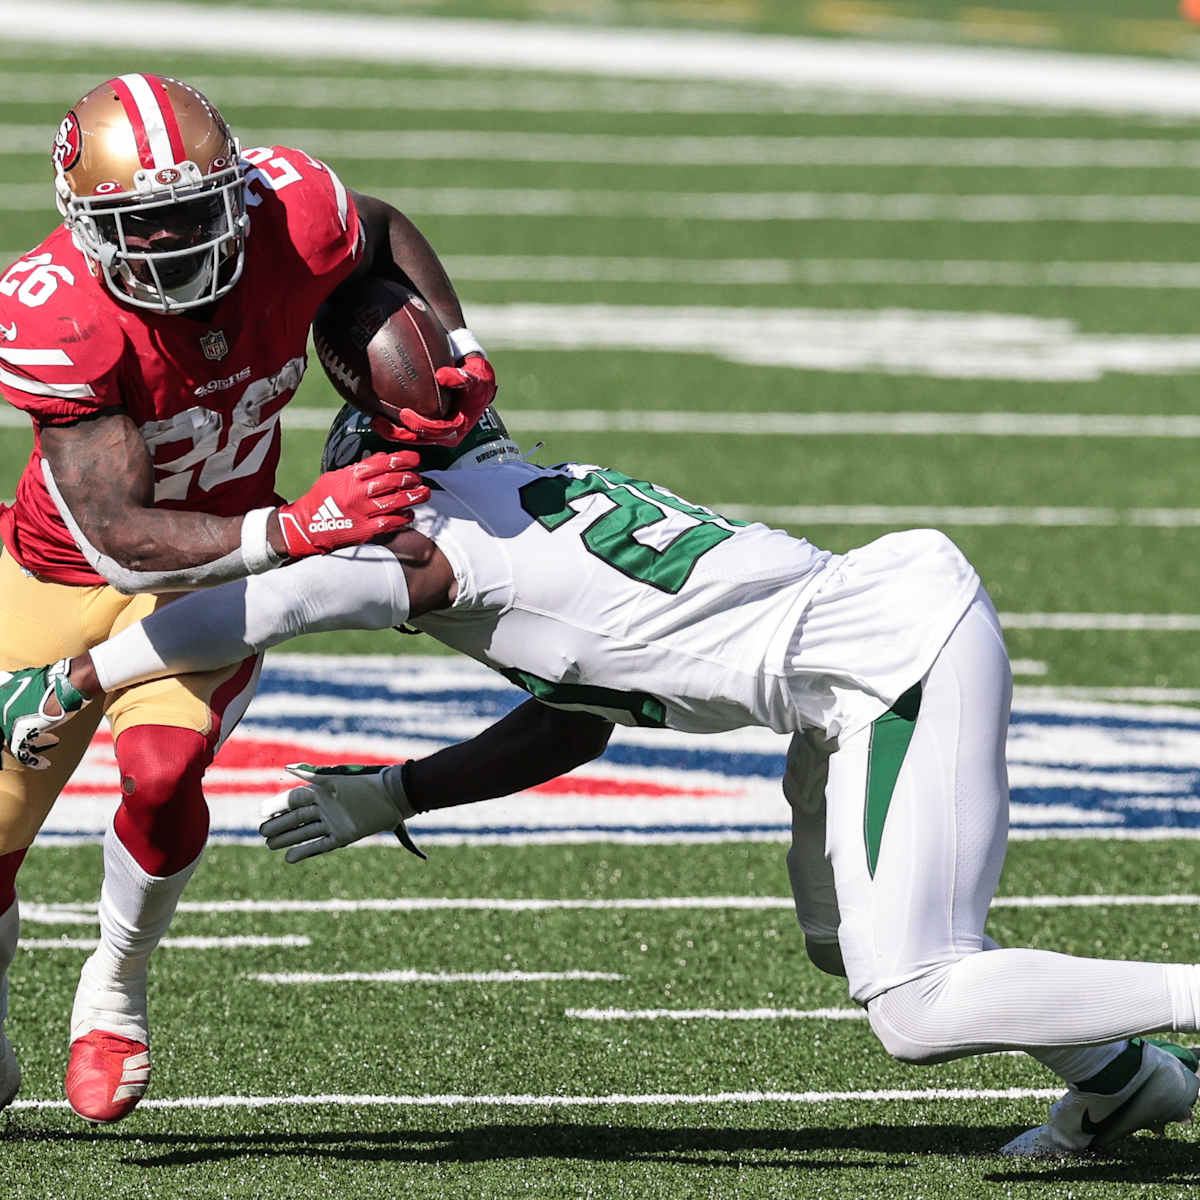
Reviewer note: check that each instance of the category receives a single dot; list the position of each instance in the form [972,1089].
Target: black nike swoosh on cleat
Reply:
[1098,1128]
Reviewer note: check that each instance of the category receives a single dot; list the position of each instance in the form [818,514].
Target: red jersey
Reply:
[205,392]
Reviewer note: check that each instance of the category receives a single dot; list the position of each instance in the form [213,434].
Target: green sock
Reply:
[1111,1079]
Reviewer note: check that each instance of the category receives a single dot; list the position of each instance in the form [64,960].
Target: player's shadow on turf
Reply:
[1140,1161]
[806,1146]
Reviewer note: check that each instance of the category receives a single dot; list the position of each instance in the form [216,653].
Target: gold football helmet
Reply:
[151,186]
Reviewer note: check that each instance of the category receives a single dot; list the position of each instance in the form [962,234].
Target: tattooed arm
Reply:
[102,473]
[99,474]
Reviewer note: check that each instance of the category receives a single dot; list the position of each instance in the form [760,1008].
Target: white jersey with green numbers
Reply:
[593,590]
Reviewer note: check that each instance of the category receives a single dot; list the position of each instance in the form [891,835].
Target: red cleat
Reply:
[107,1075]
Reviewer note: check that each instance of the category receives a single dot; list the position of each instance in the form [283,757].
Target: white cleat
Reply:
[10,1072]
[1162,1092]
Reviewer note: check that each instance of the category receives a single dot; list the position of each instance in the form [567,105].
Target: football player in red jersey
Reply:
[153,339]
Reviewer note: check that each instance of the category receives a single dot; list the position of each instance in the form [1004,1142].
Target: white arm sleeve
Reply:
[359,587]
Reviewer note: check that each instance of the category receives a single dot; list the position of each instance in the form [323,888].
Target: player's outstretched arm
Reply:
[338,805]
[530,745]
[100,475]
[359,587]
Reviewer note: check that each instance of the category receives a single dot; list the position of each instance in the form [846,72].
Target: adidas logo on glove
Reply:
[327,517]
[347,505]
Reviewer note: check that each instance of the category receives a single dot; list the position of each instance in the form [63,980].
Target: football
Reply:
[380,344]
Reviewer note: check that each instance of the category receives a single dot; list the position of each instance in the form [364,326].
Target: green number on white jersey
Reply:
[646,532]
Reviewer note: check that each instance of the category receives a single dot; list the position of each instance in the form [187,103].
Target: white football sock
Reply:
[135,907]
[1032,1000]
[135,911]
[10,929]
[360,587]
[1071,1063]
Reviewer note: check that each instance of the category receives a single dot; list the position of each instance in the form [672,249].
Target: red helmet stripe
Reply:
[174,137]
[134,117]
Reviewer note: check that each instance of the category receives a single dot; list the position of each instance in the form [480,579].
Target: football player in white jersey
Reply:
[612,600]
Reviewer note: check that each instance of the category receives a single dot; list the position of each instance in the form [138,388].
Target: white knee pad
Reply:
[1027,1000]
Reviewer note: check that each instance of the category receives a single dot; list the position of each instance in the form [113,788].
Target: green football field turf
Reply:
[546,1104]
[535,1099]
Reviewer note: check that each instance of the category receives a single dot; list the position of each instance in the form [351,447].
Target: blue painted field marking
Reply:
[1076,767]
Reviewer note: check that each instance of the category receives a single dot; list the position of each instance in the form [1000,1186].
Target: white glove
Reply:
[338,805]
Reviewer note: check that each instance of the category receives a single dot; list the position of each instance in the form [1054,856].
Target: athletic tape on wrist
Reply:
[395,783]
[464,342]
[257,552]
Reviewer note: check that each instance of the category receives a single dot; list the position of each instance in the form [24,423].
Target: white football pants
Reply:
[914,866]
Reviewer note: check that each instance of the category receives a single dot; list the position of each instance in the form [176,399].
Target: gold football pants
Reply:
[41,622]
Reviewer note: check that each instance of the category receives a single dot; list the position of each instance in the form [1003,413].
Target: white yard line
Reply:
[175,943]
[716,1014]
[781,150]
[1031,79]
[1185,900]
[758,272]
[804,424]
[615,1100]
[1105,622]
[936,343]
[916,207]
[819,424]
[941,515]
[724,150]
[1029,666]
[869,271]
[1183,426]
[913,207]
[307,977]
[475,904]
[51,914]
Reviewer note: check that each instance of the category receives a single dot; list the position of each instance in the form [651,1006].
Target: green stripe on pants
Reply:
[890,735]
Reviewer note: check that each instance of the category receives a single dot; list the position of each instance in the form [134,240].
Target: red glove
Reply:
[416,428]
[474,387]
[353,504]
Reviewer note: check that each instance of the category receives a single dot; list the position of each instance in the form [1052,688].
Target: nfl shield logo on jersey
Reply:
[214,345]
